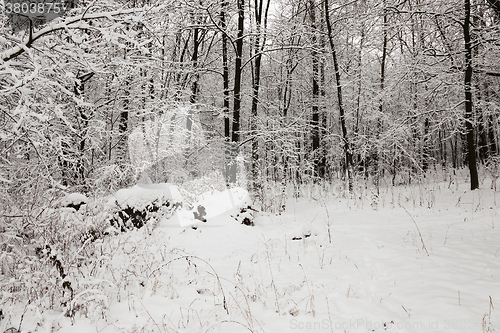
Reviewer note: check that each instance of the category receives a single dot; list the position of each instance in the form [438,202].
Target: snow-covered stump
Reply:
[74,200]
[136,206]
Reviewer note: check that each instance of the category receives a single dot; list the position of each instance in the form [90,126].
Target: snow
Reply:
[181,217]
[359,270]
[215,203]
[141,195]
[74,198]
[220,202]
[302,231]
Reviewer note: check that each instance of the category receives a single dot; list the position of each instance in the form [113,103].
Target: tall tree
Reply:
[259,43]
[471,146]
[345,137]
[235,134]
[378,154]
[225,70]
[226,98]
[315,125]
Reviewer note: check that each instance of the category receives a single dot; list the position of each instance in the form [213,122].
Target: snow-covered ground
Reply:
[413,259]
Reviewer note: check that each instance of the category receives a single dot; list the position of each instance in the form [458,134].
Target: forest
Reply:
[301,91]
[354,100]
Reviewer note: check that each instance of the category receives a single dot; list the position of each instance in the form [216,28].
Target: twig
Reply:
[497,251]
[273,285]
[419,233]
[151,317]
[328,218]
[405,310]
[29,302]
[188,257]
[329,315]
[227,321]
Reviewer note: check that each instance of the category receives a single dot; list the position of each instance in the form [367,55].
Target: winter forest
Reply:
[249,166]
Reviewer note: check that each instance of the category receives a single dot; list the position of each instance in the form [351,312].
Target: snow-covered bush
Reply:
[74,200]
[140,204]
[110,178]
[44,252]
[493,168]
[246,216]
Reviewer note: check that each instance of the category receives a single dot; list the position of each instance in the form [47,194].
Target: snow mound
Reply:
[143,203]
[74,198]
[141,195]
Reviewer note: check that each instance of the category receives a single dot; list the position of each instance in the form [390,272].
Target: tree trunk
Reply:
[315,89]
[194,88]
[378,153]
[425,147]
[79,91]
[471,155]
[259,43]
[360,80]
[123,127]
[347,153]
[235,135]
[225,83]
[121,146]
[225,71]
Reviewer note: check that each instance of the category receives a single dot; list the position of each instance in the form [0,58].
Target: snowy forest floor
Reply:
[413,259]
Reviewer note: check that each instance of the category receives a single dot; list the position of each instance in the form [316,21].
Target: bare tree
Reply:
[471,146]
[261,14]
[345,138]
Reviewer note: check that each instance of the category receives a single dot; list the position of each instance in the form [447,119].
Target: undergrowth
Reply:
[73,263]
[60,259]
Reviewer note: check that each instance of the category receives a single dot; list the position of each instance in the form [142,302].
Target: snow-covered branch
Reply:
[75,22]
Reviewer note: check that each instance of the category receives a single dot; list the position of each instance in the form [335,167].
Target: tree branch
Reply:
[69,23]
[483,71]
